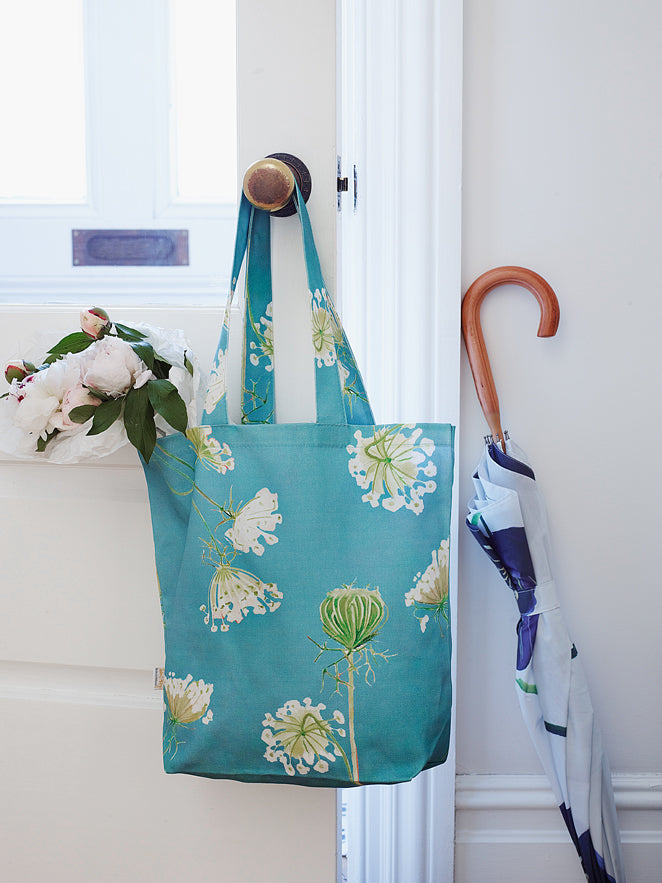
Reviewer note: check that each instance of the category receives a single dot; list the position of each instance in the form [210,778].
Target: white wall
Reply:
[562,172]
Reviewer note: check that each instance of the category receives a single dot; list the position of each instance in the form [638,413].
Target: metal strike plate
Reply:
[130,248]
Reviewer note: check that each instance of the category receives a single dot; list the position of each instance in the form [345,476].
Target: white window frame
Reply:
[45,273]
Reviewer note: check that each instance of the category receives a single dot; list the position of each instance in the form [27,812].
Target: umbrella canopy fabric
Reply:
[507,517]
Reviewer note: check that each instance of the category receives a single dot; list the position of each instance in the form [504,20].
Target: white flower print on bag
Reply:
[394,464]
[253,521]
[429,597]
[300,733]
[326,332]
[209,450]
[234,593]
[265,335]
[186,701]
[217,382]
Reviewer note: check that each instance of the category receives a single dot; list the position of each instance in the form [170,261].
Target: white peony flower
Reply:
[38,403]
[73,398]
[40,396]
[111,366]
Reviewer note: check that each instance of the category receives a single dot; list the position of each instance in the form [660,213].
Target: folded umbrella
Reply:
[508,519]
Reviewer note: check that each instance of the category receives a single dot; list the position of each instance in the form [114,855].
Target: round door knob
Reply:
[269,184]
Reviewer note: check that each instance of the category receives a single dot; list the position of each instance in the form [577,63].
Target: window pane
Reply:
[42,101]
[203,100]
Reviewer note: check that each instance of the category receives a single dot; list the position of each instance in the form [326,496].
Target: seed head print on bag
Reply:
[303,568]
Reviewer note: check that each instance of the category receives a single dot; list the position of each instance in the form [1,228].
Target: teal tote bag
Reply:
[303,568]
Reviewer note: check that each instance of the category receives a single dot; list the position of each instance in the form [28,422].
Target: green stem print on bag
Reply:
[429,597]
[388,464]
[253,402]
[351,388]
[186,701]
[352,618]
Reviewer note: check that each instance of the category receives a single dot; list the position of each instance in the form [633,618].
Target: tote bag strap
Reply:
[214,411]
[340,392]
[337,376]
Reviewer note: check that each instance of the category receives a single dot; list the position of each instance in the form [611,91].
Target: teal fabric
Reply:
[303,568]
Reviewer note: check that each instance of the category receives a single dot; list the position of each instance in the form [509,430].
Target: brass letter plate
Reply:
[130,248]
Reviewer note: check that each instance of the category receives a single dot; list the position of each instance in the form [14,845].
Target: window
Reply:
[42,151]
[204,119]
[121,116]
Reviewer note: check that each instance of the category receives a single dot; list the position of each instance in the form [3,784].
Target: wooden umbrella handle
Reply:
[473,334]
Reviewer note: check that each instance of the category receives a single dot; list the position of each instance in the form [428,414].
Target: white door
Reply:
[84,797]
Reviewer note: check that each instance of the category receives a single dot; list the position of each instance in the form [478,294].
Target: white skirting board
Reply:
[509,829]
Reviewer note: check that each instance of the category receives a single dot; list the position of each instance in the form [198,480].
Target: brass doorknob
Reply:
[269,183]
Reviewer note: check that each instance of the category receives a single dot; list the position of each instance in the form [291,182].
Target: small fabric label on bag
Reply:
[159,677]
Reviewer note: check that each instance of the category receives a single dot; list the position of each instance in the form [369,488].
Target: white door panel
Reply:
[85,797]
[79,584]
[94,806]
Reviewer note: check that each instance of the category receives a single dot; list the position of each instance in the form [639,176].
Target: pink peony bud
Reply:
[94,322]
[17,369]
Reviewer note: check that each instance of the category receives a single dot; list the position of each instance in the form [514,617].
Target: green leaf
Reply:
[42,442]
[98,394]
[128,334]
[4,395]
[167,402]
[72,343]
[82,413]
[139,421]
[161,368]
[105,415]
[188,365]
[146,353]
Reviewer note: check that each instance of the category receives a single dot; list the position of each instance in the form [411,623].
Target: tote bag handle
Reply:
[339,390]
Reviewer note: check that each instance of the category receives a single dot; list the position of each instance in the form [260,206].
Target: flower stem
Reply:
[342,754]
[173,457]
[350,702]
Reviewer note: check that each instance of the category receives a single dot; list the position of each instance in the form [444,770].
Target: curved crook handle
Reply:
[473,334]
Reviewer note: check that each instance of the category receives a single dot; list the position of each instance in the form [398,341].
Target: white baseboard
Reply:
[521,809]
[509,830]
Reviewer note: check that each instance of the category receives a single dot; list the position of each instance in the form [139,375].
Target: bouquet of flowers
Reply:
[98,388]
